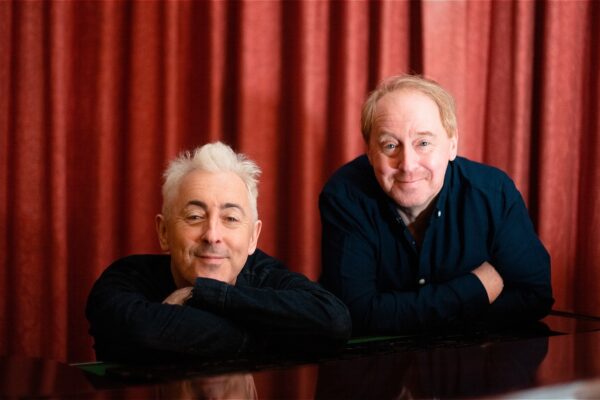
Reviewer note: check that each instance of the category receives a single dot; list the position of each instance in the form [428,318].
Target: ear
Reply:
[161,230]
[453,146]
[254,238]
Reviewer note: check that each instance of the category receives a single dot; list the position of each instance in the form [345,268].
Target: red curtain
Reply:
[95,97]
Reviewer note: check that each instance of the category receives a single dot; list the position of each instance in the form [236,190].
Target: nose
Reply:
[212,232]
[406,159]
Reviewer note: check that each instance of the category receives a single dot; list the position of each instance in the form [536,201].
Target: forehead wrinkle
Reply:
[386,134]
[225,206]
[197,203]
[233,205]
[405,106]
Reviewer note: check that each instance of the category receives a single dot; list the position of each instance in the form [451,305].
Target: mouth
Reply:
[408,181]
[210,257]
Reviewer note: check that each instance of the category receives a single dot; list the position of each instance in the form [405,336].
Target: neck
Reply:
[416,221]
[180,282]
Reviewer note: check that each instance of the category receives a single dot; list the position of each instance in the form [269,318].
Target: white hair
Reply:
[212,157]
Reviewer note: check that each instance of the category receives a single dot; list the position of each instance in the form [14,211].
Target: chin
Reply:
[215,276]
[408,202]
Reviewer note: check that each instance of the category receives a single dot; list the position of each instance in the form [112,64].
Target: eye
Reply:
[191,218]
[424,144]
[231,219]
[389,148]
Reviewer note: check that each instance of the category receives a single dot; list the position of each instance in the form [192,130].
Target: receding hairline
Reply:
[409,90]
[443,100]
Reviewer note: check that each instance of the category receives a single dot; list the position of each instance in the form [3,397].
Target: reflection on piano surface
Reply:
[472,371]
[558,359]
[221,387]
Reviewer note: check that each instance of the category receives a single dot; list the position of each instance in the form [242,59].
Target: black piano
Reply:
[559,357]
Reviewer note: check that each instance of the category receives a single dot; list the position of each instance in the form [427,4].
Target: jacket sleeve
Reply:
[276,302]
[524,264]
[350,251]
[127,325]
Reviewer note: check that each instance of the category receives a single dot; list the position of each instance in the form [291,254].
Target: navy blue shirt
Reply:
[392,285]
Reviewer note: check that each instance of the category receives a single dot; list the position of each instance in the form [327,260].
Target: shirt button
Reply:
[421,281]
[439,213]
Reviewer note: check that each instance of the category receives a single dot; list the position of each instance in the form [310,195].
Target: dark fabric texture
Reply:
[269,309]
[371,261]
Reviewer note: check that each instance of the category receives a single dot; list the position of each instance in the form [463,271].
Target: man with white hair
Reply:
[214,294]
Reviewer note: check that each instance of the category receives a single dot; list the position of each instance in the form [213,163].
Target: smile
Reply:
[406,181]
[211,258]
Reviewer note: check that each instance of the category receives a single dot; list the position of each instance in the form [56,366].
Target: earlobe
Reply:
[161,230]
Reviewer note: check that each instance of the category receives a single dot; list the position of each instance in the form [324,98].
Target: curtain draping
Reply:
[95,97]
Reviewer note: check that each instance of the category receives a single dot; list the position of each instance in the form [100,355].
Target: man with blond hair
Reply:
[418,239]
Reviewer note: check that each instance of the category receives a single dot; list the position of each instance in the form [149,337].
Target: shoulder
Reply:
[353,180]
[263,270]
[356,174]
[141,261]
[147,274]
[138,266]
[480,177]
[261,261]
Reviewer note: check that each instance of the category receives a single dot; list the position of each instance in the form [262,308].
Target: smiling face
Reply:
[409,149]
[209,229]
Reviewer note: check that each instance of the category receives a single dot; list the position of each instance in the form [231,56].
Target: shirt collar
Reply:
[440,200]
[443,194]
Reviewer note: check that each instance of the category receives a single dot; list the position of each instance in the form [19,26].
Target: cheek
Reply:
[185,236]
[438,169]
[382,165]
[385,174]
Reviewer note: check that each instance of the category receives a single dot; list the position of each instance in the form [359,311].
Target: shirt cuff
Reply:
[209,294]
[472,295]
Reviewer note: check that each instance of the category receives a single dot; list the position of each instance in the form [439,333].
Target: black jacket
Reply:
[268,309]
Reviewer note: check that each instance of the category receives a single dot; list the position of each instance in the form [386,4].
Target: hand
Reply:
[179,296]
[491,280]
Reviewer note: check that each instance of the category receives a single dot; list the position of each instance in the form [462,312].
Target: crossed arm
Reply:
[212,318]
[512,285]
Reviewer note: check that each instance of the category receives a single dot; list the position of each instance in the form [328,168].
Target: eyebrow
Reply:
[224,206]
[419,134]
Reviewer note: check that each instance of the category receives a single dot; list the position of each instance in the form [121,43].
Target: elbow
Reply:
[539,304]
[341,326]
[336,323]
[543,300]
[545,303]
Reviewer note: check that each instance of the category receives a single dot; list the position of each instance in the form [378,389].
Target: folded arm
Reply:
[515,280]
[524,265]
[278,301]
[127,325]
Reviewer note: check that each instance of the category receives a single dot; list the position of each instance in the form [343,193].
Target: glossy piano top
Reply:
[565,358]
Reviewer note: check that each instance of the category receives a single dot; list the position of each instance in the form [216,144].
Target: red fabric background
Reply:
[95,97]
